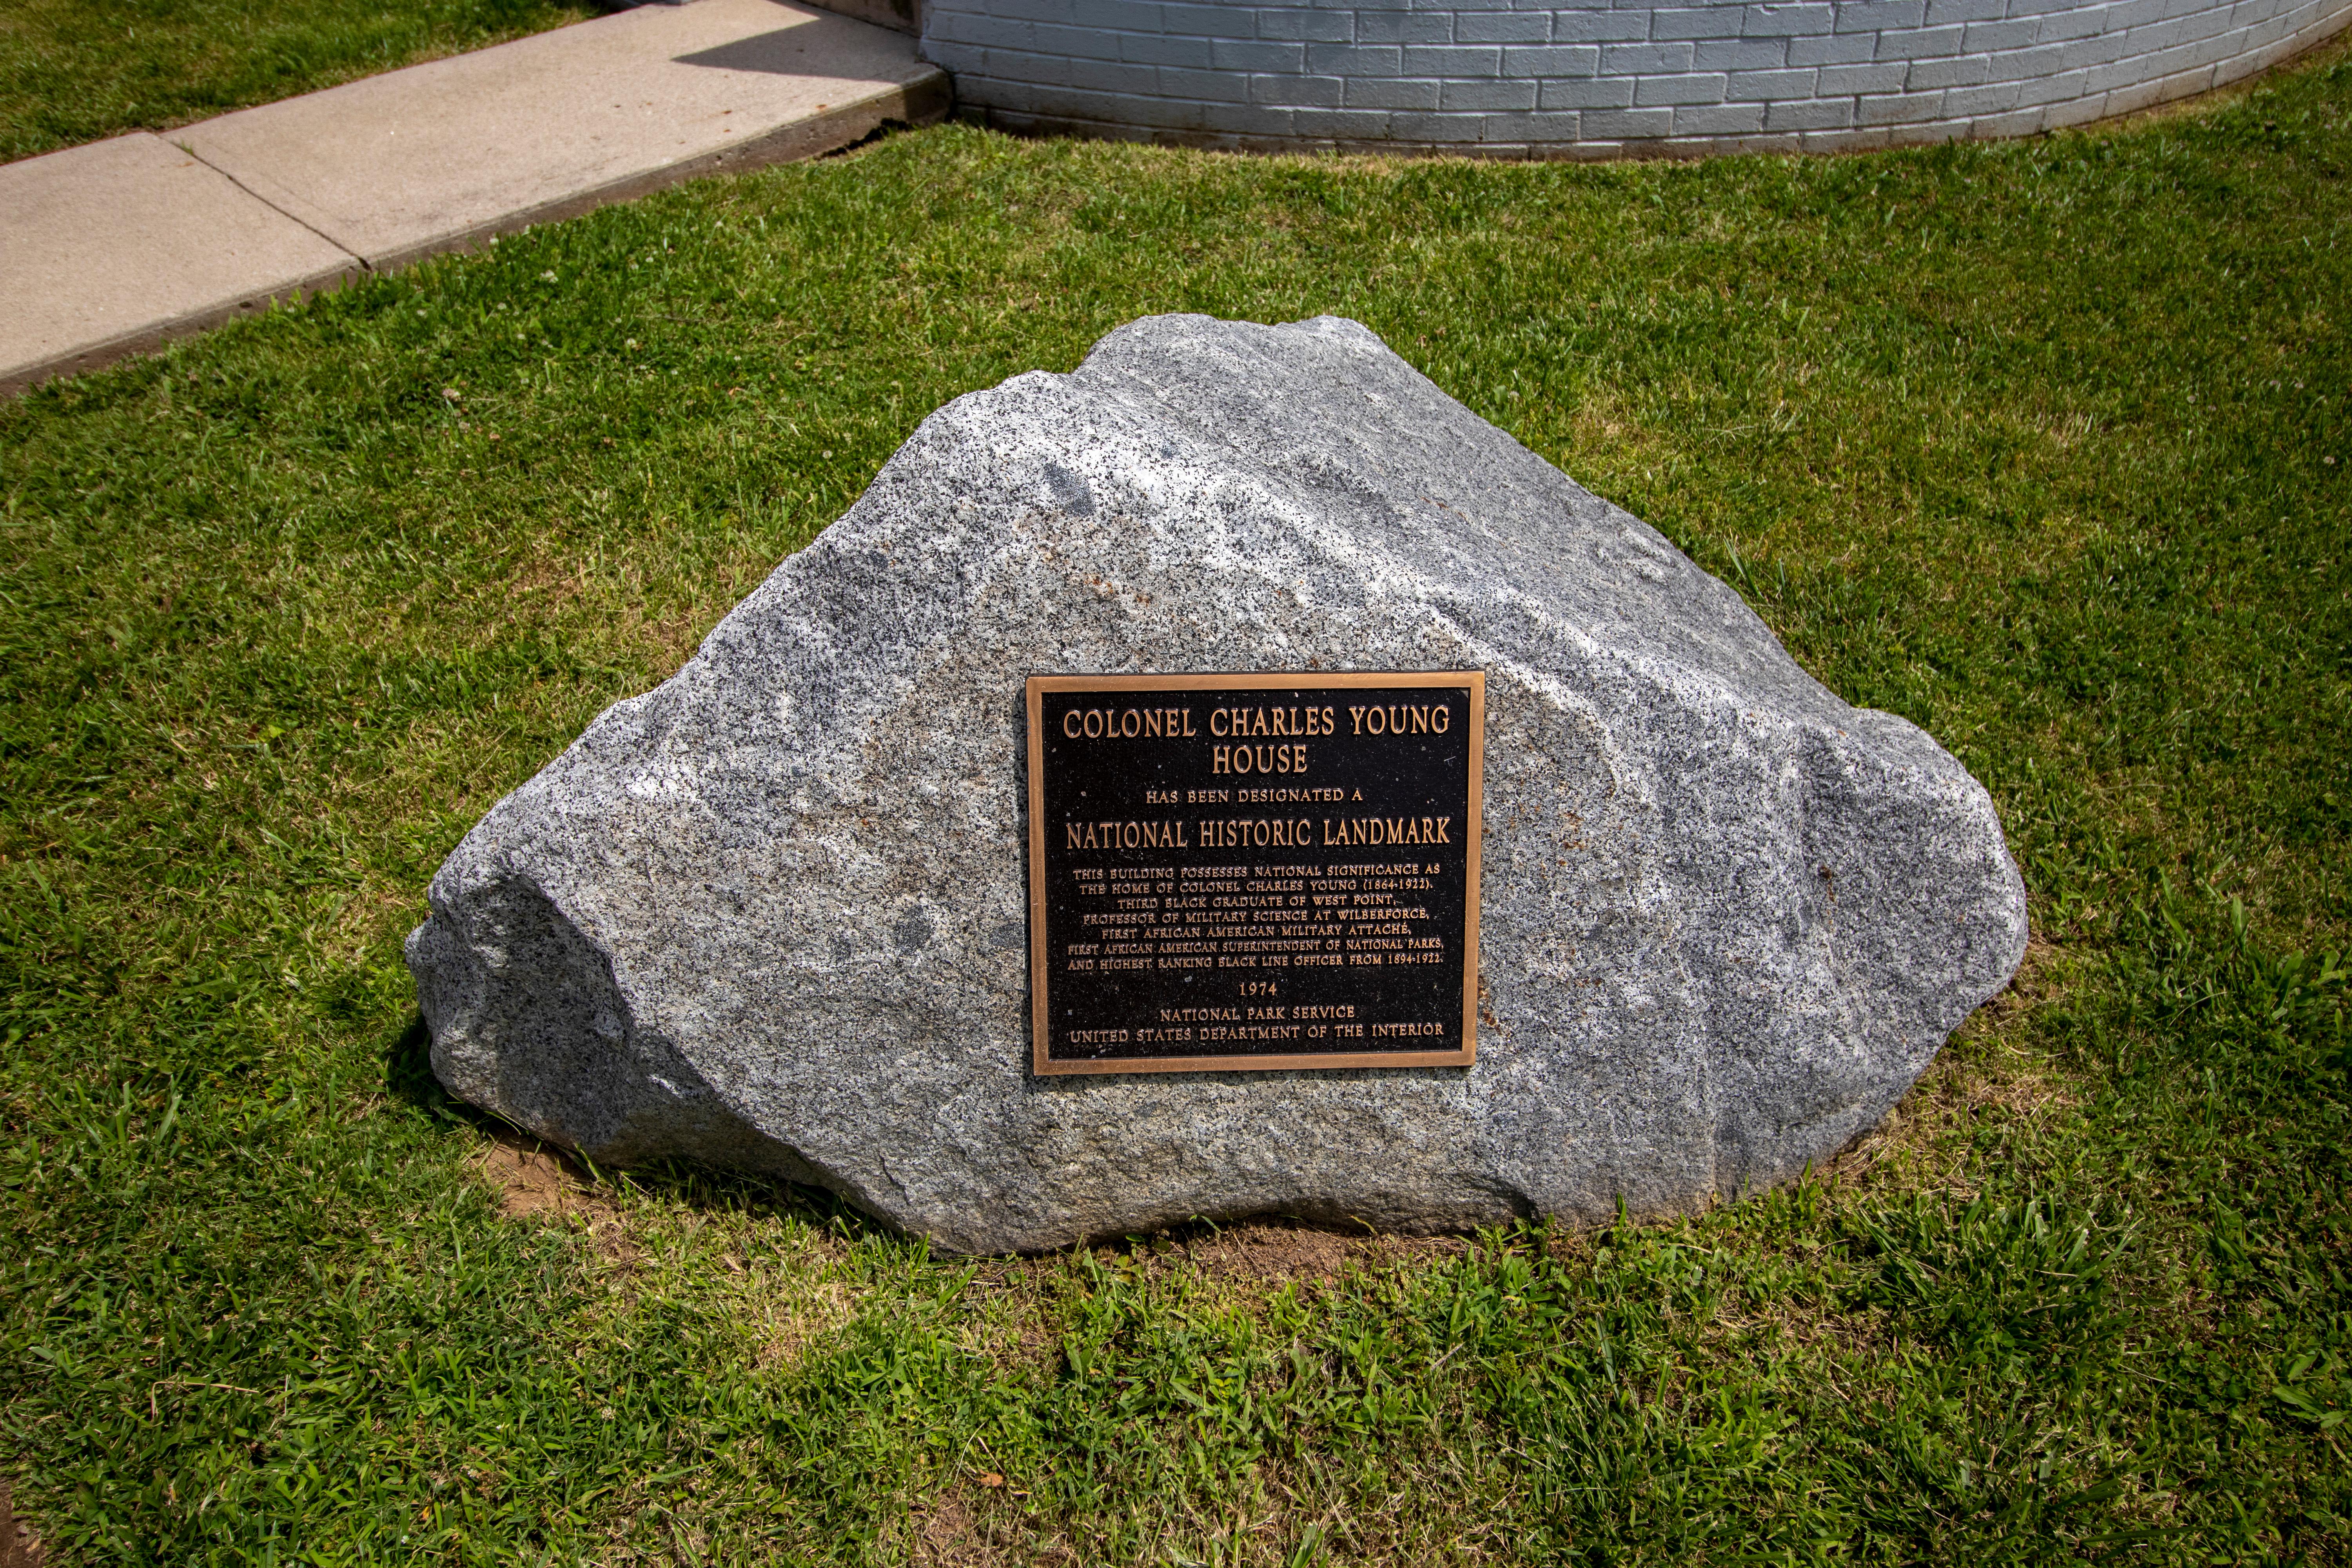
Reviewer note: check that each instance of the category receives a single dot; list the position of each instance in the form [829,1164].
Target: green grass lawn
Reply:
[2043,444]
[72,70]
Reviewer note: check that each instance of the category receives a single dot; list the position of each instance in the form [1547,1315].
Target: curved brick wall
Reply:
[1594,79]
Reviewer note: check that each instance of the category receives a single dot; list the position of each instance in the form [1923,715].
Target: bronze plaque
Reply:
[1253,871]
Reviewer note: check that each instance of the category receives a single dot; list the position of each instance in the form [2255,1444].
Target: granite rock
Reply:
[772,914]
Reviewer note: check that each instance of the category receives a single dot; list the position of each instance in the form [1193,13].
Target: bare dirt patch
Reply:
[532,1178]
[948,1535]
[1279,1253]
[19,1547]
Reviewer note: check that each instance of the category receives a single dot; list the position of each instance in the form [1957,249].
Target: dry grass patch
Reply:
[1267,1250]
[1806,1321]
[791,1309]
[1984,1074]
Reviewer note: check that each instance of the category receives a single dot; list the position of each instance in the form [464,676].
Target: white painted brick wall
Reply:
[1596,78]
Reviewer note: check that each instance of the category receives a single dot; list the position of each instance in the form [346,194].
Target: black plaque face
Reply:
[1238,871]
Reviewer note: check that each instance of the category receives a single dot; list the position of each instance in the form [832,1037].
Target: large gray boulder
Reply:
[772,914]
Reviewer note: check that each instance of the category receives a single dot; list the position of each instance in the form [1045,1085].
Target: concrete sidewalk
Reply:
[112,248]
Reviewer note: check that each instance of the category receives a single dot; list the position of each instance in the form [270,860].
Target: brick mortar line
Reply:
[1018,75]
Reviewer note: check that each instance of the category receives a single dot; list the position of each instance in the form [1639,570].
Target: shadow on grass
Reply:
[408,1075]
[1271,1245]
[409,1079]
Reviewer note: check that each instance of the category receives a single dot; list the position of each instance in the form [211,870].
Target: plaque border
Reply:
[1041,971]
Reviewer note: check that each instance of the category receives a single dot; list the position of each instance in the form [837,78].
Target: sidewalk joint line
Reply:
[273,206]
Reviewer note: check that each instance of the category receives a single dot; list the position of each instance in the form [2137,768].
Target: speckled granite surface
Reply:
[772,913]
